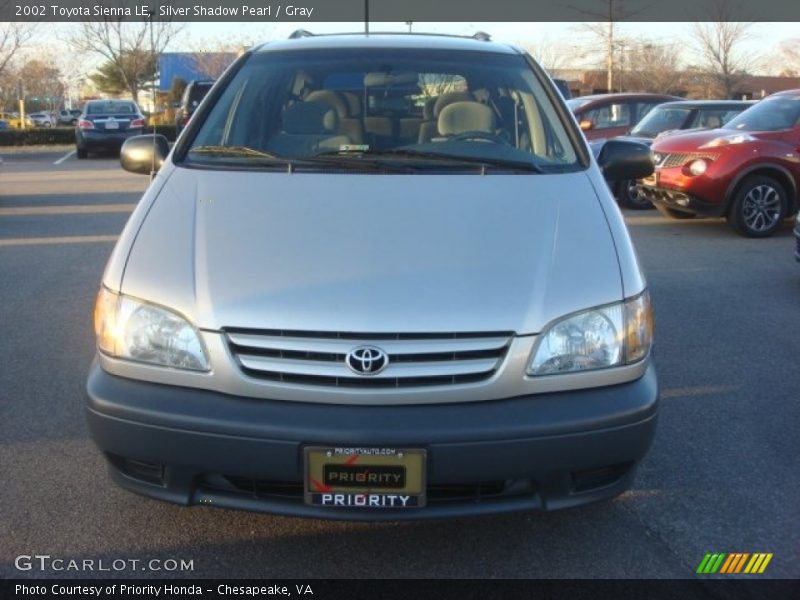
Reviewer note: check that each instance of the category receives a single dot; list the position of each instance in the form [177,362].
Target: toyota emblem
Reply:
[367,360]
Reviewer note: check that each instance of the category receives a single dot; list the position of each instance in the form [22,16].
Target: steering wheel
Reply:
[483,136]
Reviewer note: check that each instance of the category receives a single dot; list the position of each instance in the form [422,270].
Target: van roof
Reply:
[422,41]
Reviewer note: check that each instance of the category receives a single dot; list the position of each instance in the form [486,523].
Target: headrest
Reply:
[461,117]
[353,103]
[427,108]
[332,98]
[310,118]
[449,98]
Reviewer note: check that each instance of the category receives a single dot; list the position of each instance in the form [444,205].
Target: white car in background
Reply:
[41,119]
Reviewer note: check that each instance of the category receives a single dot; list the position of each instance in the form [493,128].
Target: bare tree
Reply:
[130,46]
[553,56]
[719,44]
[212,57]
[788,62]
[606,32]
[654,67]
[13,37]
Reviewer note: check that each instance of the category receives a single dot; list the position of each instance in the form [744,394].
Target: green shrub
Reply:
[60,135]
[36,137]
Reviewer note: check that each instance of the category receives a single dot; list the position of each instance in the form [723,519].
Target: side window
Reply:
[712,119]
[611,115]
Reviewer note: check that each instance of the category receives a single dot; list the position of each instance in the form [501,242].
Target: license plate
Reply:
[112,125]
[651,180]
[365,477]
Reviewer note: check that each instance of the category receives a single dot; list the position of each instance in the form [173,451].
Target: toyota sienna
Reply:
[377,277]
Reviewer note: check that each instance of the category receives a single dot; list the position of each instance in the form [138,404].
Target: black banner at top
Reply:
[401,10]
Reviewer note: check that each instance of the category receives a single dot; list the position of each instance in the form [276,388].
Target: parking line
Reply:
[44,241]
[17,211]
[63,158]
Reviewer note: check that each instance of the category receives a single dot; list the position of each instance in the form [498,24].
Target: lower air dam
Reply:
[366,500]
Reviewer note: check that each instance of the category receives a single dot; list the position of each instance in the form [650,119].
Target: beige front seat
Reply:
[351,127]
[308,128]
[428,129]
[463,117]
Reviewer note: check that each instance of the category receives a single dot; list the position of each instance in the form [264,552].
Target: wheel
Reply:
[628,195]
[483,136]
[81,153]
[759,206]
[671,213]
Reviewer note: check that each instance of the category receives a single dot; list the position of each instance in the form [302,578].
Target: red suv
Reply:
[747,171]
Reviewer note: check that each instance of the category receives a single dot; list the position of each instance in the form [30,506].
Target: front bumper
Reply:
[681,201]
[89,139]
[545,451]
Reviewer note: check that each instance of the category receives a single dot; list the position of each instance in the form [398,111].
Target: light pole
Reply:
[410,24]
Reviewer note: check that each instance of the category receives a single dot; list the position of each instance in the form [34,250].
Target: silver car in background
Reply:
[378,277]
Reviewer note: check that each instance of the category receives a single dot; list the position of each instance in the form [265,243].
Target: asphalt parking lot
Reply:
[721,477]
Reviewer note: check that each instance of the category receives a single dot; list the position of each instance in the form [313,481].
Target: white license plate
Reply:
[112,125]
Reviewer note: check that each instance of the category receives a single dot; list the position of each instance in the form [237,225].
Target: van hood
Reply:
[374,253]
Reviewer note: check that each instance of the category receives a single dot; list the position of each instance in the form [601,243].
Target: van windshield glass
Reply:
[393,105]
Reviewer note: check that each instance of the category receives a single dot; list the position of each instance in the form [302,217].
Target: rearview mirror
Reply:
[143,154]
[586,124]
[622,160]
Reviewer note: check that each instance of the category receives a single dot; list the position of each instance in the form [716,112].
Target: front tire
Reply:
[628,196]
[81,153]
[671,213]
[759,206]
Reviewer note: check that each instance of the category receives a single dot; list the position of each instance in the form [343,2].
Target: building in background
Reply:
[191,65]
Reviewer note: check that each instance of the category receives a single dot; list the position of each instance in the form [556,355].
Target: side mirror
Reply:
[586,124]
[622,160]
[143,155]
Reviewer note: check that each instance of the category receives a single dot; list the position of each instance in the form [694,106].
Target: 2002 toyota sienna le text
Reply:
[376,278]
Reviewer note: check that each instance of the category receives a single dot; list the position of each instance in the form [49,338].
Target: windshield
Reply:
[575,103]
[771,114]
[402,105]
[110,107]
[661,119]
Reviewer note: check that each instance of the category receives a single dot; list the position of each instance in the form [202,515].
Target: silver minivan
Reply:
[377,277]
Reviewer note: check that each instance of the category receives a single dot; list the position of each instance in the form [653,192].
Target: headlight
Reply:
[698,166]
[136,330]
[598,338]
[727,140]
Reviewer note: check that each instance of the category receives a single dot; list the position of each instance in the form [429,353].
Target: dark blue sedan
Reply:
[106,124]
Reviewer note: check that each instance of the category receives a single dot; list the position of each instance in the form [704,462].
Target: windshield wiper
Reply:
[317,159]
[237,151]
[480,161]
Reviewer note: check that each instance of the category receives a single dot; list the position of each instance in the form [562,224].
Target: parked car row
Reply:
[734,159]
[14,121]
[40,119]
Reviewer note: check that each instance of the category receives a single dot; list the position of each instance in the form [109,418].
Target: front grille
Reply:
[435,494]
[664,195]
[318,358]
[679,159]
